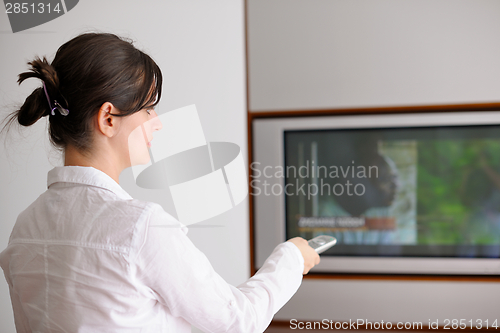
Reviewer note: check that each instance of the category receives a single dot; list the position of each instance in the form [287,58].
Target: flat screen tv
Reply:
[402,193]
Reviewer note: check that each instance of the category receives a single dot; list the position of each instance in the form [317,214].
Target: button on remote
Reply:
[320,241]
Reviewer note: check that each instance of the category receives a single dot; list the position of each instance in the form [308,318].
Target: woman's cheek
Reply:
[137,146]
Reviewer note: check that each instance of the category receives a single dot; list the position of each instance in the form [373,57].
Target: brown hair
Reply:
[87,71]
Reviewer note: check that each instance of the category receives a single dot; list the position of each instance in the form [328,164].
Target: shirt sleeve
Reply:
[182,278]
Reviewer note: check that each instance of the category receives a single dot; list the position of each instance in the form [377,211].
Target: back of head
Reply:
[87,71]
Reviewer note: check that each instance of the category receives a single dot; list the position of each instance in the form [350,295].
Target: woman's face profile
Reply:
[139,128]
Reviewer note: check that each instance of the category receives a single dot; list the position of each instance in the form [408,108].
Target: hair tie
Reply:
[57,106]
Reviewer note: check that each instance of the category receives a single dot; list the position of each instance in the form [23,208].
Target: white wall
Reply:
[199,46]
[325,54]
[315,54]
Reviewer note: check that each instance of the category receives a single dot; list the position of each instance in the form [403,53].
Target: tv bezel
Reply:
[269,211]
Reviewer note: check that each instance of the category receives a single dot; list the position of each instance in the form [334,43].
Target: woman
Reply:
[85,256]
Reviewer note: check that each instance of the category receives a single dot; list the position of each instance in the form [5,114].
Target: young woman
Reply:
[85,256]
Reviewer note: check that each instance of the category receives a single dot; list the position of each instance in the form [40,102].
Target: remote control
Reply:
[322,243]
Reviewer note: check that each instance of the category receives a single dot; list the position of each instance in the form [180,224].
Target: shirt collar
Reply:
[88,176]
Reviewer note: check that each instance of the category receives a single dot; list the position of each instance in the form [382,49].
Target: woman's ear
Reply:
[106,122]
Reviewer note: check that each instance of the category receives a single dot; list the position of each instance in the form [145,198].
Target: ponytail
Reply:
[36,105]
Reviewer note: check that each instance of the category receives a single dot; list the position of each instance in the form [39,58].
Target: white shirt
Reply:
[86,257]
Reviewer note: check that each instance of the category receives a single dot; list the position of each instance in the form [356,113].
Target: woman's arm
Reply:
[183,280]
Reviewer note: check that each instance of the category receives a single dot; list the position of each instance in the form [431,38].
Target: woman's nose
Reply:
[156,124]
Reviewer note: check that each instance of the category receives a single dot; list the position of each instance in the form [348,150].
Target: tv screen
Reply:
[396,192]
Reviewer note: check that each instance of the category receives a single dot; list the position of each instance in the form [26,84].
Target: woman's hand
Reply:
[311,258]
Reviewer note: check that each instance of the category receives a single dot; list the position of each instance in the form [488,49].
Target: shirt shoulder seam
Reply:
[69,243]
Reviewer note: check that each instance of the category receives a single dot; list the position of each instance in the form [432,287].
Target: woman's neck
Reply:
[98,160]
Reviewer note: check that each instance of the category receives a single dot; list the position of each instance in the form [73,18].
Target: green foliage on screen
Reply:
[458,192]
